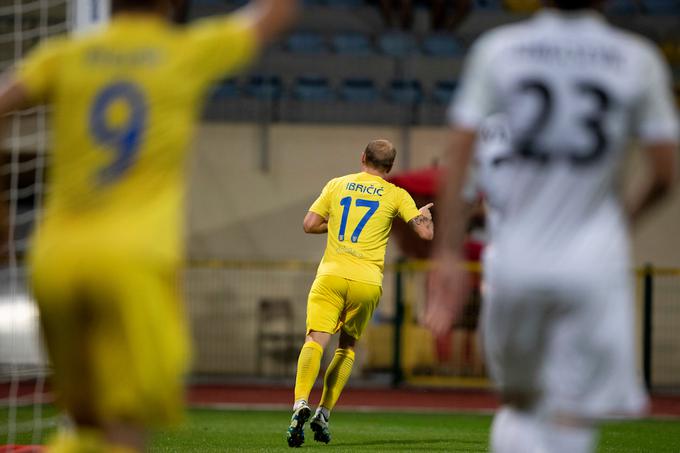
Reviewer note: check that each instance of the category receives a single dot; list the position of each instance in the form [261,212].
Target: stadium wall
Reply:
[239,211]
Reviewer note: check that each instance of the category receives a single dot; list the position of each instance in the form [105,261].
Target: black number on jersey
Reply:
[527,147]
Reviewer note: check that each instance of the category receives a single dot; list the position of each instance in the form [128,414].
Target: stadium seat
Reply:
[344,3]
[621,7]
[443,91]
[351,43]
[358,90]
[278,343]
[661,6]
[397,44]
[405,91]
[227,89]
[496,5]
[442,45]
[306,42]
[313,88]
[264,87]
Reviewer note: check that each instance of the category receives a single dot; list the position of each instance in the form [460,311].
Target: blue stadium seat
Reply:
[397,44]
[264,87]
[443,91]
[313,88]
[306,42]
[405,91]
[351,43]
[488,4]
[621,7]
[661,6]
[358,90]
[344,3]
[443,45]
[227,89]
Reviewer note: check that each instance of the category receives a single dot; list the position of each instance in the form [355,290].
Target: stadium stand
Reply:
[306,42]
[351,43]
[397,44]
[355,60]
[313,88]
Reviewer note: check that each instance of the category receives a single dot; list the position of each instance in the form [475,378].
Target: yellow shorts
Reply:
[115,332]
[335,303]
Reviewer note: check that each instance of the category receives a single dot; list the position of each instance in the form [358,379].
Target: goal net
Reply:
[23,160]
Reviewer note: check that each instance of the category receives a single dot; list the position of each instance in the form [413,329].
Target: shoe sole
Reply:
[296,435]
[319,435]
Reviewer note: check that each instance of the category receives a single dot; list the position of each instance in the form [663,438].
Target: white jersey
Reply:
[575,90]
[491,180]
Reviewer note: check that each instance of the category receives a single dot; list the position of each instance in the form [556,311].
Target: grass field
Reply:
[248,430]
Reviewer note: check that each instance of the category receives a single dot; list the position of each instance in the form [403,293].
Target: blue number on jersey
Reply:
[125,140]
[346,203]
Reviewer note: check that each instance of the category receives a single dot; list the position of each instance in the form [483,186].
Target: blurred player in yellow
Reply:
[105,258]
[356,211]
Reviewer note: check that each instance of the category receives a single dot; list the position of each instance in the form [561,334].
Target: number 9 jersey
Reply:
[360,209]
[124,103]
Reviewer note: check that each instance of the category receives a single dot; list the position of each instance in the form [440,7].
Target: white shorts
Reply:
[567,341]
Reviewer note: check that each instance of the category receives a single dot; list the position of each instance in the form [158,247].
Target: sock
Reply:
[514,431]
[336,377]
[563,438]
[308,366]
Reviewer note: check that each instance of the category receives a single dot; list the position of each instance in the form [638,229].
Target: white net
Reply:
[23,157]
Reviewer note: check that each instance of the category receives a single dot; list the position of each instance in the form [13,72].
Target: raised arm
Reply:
[269,17]
[314,224]
[422,224]
[448,285]
[13,96]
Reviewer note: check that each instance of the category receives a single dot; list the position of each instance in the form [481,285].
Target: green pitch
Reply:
[262,431]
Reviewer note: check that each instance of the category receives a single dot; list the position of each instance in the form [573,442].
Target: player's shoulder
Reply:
[55,45]
[398,193]
[225,24]
[632,41]
[648,51]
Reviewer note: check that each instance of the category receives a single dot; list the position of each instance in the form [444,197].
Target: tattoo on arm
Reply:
[420,220]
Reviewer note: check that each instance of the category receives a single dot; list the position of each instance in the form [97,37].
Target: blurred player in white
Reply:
[558,318]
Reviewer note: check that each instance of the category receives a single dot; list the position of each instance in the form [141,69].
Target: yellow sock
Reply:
[308,366]
[336,377]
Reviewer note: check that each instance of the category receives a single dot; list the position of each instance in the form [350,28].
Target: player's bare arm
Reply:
[448,287]
[315,224]
[269,17]
[422,224]
[13,96]
[661,179]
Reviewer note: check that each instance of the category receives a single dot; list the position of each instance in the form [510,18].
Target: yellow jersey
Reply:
[125,100]
[360,209]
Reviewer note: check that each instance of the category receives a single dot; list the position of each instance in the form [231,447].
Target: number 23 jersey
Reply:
[360,209]
[575,91]
[124,101]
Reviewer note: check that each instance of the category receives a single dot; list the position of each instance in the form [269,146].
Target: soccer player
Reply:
[356,211]
[557,319]
[106,255]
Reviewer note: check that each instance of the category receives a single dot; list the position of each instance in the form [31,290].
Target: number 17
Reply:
[346,203]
